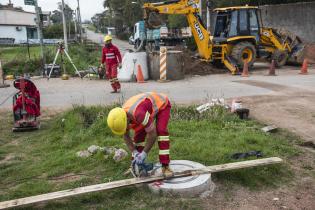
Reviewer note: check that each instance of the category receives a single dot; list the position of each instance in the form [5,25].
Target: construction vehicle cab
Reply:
[236,22]
[239,29]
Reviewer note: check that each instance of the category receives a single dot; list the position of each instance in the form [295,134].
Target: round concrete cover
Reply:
[185,186]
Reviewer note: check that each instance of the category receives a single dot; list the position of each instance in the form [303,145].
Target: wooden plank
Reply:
[133,181]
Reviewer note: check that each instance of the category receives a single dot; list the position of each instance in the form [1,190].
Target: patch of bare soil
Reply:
[289,108]
[298,194]
[294,110]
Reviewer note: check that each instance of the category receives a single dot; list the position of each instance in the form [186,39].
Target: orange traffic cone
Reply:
[140,78]
[304,67]
[245,70]
[272,69]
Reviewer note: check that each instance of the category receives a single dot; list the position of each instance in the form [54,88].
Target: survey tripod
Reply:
[61,50]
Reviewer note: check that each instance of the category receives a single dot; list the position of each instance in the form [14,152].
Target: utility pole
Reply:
[79,21]
[40,33]
[76,23]
[65,39]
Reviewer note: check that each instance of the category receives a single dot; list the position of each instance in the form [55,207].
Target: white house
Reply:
[17,24]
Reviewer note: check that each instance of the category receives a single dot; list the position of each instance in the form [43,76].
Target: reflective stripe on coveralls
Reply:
[159,101]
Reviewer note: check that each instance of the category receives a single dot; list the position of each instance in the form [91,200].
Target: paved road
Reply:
[98,38]
[57,93]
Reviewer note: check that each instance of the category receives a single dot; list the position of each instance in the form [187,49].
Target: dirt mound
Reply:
[195,66]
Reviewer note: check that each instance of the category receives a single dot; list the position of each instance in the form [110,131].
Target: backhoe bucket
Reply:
[152,19]
[297,54]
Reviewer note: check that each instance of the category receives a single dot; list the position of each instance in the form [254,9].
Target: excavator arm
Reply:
[190,10]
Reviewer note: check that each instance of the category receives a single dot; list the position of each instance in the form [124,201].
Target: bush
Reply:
[123,35]
[55,31]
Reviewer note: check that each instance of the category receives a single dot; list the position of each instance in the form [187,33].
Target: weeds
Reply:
[209,138]
[16,60]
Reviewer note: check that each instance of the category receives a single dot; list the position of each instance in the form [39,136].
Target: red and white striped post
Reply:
[163,55]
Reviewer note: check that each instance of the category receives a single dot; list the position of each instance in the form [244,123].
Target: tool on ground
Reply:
[243,113]
[26,105]
[134,181]
[61,50]
[141,170]
[236,156]
[2,82]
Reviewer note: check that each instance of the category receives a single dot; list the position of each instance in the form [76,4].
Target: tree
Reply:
[56,17]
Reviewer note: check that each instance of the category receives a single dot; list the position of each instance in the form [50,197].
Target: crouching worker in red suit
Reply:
[139,113]
[112,58]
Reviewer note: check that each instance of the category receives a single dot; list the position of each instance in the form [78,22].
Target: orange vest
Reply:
[159,102]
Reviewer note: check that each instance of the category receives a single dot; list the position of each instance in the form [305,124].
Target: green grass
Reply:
[15,60]
[40,157]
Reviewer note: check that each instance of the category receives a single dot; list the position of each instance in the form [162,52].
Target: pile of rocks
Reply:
[118,154]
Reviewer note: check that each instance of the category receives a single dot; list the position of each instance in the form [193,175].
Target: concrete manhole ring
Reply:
[186,186]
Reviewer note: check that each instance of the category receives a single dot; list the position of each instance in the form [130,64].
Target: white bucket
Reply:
[130,63]
[236,104]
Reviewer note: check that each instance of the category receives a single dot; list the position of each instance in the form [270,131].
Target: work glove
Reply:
[140,157]
[134,153]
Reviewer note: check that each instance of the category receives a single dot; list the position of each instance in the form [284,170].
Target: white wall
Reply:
[11,32]
[12,17]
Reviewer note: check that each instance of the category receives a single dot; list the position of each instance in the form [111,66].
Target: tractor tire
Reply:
[280,58]
[244,52]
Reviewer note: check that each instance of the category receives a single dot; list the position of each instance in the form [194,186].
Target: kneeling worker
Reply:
[139,113]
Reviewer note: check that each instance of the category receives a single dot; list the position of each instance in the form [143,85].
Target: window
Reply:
[253,22]
[220,25]
[243,22]
[233,28]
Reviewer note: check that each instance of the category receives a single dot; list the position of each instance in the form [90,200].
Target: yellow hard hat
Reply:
[107,38]
[64,76]
[117,121]
[9,77]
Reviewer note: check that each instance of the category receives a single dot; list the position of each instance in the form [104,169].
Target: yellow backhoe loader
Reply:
[239,35]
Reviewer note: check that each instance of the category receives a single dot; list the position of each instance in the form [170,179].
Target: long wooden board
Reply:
[133,181]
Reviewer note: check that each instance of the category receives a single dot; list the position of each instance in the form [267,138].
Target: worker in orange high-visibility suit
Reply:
[139,113]
[112,57]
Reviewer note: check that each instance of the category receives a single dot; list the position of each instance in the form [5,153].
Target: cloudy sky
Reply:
[88,7]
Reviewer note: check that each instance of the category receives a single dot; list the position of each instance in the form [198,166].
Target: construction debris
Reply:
[242,113]
[214,102]
[2,83]
[108,150]
[120,154]
[269,128]
[83,154]
[93,149]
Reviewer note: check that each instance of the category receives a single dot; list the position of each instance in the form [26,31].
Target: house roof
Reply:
[14,17]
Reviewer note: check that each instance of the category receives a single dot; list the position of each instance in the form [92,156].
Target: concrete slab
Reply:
[191,186]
